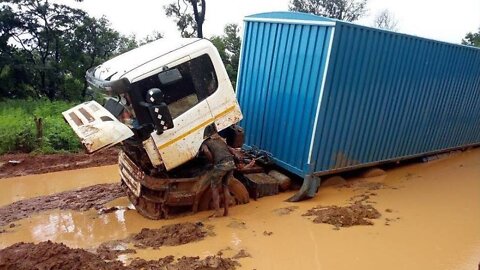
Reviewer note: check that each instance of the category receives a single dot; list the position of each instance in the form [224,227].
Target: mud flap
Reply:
[308,190]
[96,126]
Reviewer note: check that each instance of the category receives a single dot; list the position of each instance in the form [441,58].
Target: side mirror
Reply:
[161,117]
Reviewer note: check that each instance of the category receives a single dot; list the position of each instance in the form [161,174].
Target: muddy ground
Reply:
[344,216]
[12,165]
[424,205]
[81,199]
[169,235]
[360,210]
[50,255]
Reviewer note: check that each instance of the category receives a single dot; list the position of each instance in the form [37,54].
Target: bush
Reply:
[18,132]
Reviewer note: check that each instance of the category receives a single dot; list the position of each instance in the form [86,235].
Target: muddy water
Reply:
[23,187]
[434,208]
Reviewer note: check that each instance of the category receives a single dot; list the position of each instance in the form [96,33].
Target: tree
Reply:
[155,35]
[199,15]
[385,20]
[13,67]
[347,10]
[228,46]
[189,15]
[40,37]
[472,39]
[47,48]
[90,44]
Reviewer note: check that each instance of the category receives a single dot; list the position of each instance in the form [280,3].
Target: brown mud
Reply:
[81,200]
[112,249]
[285,210]
[169,235]
[50,255]
[12,165]
[418,197]
[183,263]
[344,216]
[359,212]
[241,254]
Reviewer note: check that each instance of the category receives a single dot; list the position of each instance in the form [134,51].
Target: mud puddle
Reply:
[80,200]
[30,186]
[50,255]
[432,209]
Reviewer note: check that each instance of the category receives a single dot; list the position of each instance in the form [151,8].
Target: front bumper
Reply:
[170,191]
[131,174]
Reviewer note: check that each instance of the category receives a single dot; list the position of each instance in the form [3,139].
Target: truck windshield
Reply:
[198,81]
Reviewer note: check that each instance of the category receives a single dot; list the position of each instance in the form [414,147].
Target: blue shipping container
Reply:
[324,95]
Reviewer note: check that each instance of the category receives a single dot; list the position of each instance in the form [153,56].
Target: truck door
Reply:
[221,97]
[186,100]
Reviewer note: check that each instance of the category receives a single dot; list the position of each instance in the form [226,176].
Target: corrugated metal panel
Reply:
[278,85]
[389,96]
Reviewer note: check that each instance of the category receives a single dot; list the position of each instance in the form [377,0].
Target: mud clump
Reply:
[111,250]
[80,199]
[267,233]
[169,235]
[241,254]
[346,216]
[49,255]
[363,185]
[194,263]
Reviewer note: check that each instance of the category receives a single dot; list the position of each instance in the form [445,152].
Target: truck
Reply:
[315,96]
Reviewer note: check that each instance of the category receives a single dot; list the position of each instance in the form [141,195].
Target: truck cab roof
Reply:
[118,67]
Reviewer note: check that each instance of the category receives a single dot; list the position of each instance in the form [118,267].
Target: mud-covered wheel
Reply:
[238,195]
[145,207]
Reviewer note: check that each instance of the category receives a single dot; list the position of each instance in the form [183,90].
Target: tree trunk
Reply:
[199,16]
[39,127]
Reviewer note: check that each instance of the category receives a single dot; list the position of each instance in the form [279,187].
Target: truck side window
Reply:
[203,75]
[198,81]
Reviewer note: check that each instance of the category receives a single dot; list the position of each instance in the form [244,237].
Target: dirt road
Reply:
[12,165]
[428,218]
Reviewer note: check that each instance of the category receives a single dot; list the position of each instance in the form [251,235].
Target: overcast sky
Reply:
[438,19]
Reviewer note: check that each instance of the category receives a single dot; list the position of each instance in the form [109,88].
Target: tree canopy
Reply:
[189,15]
[472,39]
[228,46]
[46,48]
[385,20]
[347,10]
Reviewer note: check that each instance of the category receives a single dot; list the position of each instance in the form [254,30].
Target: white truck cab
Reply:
[194,98]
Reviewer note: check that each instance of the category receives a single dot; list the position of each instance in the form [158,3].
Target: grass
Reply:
[18,131]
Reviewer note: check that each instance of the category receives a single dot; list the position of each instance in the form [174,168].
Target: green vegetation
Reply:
[472,39]
[20,129]
[228,46]
[46,48]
